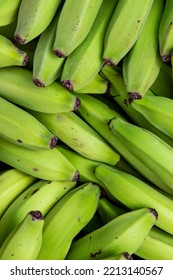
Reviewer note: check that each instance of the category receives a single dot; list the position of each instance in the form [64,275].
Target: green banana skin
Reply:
[61,228]
[120,95]
[158,111]
[86,60]
[125,233]
[42,164]
[25,241]
[158,244]
[42,195]
[47,67]
[156,154]
[145,53]
[12,183]
[16,86]
[72,32]
[134,194]
[166,32]
[98,114]
[33,18]
[21,128]
[8,12]
[10,55]
[98,85]
[124,29]
[75,132]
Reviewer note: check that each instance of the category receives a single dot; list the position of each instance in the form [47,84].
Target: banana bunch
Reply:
[86,134]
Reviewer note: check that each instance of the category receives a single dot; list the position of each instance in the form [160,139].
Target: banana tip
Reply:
[133,96]
[53,142]
[26,59]
[36,215]
[68,85]
[38,83]
[76,176]
[19,40]
[154,212]
[59,53]
[77,104]
[108,62]
[166,58]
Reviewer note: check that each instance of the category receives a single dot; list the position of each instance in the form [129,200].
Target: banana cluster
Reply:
[86,130]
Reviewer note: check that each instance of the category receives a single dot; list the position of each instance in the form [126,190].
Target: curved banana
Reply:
[42,164]
[98,85]
[24,242]
[166,32]
[61,228]
[145,53]
[78,135]
[84,63]
[8,12]
[16,86]
[42,195]
[33,18]
[12,183]
[71,33]
[135,193]
[125,233]
[156,154]
[158,110]
[21,128]
[10,55]
[124,28]
[47,67]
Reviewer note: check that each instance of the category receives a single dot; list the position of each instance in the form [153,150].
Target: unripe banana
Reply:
[12,183]
[124,28]
[78,135]
[16,86]
[83,64]
[98,85]
[70,33]
[8,11]
[42,164]
[33,18]
[25,241]
[42,195]
[21,128]
[125,233]
[66,219]
[10,55]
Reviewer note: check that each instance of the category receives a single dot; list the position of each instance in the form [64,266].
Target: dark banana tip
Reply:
[154,212]
[68,85]
[108,62]
[133,96]
[127,256]
[76,177]
[166,58]
[19,40]
[59,53]
[38,83]
[36,215]
[53,142]
[26,59]
[77,104]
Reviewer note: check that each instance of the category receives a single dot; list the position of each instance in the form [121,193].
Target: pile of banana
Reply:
[86,130]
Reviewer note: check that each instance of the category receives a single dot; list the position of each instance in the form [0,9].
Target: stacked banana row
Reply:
[86,130]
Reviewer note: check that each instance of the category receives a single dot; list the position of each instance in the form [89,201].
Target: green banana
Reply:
[71,33]
[145,53]
[42,195]
[124,28]
[61,228]
[166,32]
[47,67]
[98,85]
[16,86]
[158,111]
[33,18]
[8,12]
[42,164]
[83,64]
[162,86]
[21,128]
[158,244]
[120,95]
[12,183]
[151,150]
[25,241]
[125,233]
[79,136]
[134,194]
[98,114]
[10,55]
